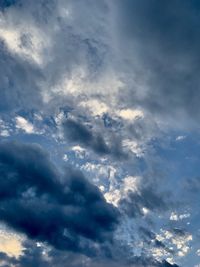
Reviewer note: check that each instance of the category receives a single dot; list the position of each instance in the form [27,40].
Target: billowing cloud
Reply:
[62,209]
[111,88]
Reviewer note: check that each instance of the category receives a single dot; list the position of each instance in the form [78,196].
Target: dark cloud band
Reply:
[63,209]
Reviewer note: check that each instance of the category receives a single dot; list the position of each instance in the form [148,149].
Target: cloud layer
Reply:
[99,132]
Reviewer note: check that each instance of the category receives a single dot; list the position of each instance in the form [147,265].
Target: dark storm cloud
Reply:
[78,133]
[160,40]
[64,210]
[7,261]
[159,45]
[149,262]
[6,3]
[167,264]
[38,256]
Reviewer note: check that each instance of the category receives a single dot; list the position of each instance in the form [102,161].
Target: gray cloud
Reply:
[146,197]
[151,49]
[160,45]
[34,256]
[19,82]
[78,133]
[6,3]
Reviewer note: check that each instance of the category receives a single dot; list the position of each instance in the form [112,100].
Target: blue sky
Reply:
[99,133]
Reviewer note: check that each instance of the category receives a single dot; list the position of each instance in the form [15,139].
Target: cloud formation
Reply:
[78,133]
[111,88]
[160,43]
[40,256]
[62,209]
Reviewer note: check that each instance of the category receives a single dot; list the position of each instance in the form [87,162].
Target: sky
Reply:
[99,133]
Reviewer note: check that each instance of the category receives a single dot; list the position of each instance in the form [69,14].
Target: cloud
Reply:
[143,200]
[42,256]
[6,3]
[19,82]
[127,72]
[159,47]
[10,243]
[62,209]
[78,133]
[176,217]
[154,59]
[129,114]
[116,196]
[177,239]
[47,48]
[22,123]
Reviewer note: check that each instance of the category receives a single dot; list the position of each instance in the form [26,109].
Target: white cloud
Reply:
[4,129]
[113,196]
[13,38]
[180,137]
[179,242]
[129,184]
[134,147]
[65,158]
[23,124]
[98,171]
[176,217]
[131,114]
[11,243]
[79,151]
[95,106]
[102,188]
[80,83]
